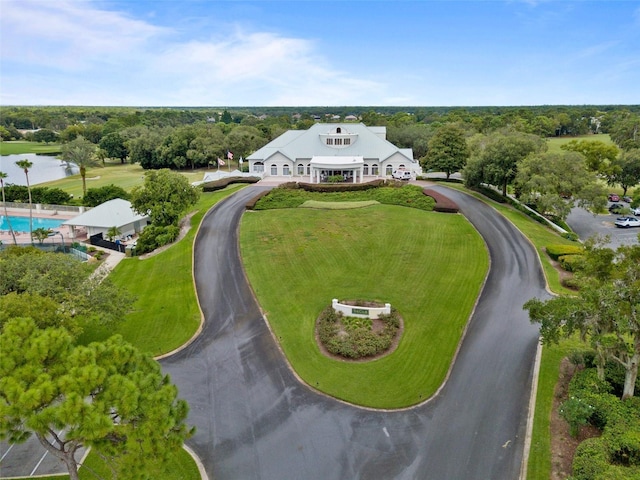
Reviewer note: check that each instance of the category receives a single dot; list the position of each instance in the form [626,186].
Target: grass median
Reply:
[430,266]
[166,313]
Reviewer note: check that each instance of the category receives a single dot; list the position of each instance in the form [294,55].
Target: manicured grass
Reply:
[430,266]
[18,147]
[539,465]
[126,176]
[166,313]
[181,467]
[554,143]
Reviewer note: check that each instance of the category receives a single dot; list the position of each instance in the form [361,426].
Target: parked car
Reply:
[627,199]
[626,222]
[614,197]
[616,207]
[401,175]
[635,211]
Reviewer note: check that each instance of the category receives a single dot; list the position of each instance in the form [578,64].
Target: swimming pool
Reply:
[21,224]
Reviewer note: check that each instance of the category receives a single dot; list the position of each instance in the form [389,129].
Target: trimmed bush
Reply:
[571,263]
[556,251]
[590,460]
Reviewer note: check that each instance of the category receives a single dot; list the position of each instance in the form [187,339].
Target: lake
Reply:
[45,169]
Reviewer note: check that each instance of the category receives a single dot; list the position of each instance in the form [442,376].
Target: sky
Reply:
[319,53]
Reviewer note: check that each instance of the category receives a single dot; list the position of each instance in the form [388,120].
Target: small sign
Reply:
[360,311]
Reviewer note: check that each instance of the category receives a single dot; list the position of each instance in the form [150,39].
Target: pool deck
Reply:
[23,237]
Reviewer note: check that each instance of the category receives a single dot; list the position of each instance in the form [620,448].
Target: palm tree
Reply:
[26,165]
[83,153]
[4,175]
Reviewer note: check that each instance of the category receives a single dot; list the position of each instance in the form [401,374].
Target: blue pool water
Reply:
[21,224]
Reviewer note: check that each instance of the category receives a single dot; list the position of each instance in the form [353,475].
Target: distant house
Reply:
[354,151]
[350,118]
[114,213]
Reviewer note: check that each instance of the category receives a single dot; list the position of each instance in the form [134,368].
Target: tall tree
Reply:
[447,151]
[598,154]
[625,170]
[606,311]
[164,196]
[494,157]
[106,395]
[114,146]
[553,182]
[4,175]
[25,165]
[81,152]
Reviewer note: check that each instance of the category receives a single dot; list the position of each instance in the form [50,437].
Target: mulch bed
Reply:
[443,204]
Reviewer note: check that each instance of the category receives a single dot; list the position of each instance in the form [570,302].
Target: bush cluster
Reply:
[557,251]
[354,338]
[616,454]
[402,194]
[154,236]
[45,195]
[224,182]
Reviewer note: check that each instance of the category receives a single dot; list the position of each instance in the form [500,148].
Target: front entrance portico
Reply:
[348,166]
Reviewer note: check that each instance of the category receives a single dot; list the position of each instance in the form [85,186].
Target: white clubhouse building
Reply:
[355,151]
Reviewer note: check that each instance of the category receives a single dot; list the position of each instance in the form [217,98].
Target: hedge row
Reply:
[559,250]
[443,204]
[224,182]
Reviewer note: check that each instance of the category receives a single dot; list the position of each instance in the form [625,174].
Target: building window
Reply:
[338,130]
[347,141]
[365,169]
[274,170]
[329,141]
[374,170]
[308,169]
[258,167]
[389,170]
[338,141]
[401,166]
[300,169]
[285,170]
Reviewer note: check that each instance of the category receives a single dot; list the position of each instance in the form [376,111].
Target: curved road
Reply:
[255,420]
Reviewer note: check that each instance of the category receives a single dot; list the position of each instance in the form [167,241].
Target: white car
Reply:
[401,175]
[626,222]
[635,211]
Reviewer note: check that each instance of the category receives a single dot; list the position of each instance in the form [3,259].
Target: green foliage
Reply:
[556,251]
[81,297]
[353,337]
[447,150]
[41,234]
[571,263]
[577,413]
[105,395]
[46,195]
[153,237]
[590,460]
[407,195]
[165,196]
[97,196]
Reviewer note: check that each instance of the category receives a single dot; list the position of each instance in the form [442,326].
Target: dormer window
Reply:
[338,130]
[338,137]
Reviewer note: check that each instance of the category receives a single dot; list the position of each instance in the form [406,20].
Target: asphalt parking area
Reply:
[586,225]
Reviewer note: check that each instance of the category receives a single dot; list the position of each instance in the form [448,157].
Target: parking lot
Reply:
[586,225]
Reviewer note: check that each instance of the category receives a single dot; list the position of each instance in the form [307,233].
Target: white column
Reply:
[355,174]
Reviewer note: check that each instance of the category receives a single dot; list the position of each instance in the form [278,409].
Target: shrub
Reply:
[590,459]
[224,182]
[570,236]
[577,413]
[97,196]
[556,251]
[571,263]
[154,236]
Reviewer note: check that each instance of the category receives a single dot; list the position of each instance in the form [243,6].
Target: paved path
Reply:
[257,421]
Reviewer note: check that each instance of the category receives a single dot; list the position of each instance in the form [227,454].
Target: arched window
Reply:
[274,170]
[308,169]
[285,170]
[401,166]
[258,167]
[374,169]
[365,169]
[300,169]
[389,170]
[338,130]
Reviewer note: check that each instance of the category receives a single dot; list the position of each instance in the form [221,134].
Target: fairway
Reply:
[430,266]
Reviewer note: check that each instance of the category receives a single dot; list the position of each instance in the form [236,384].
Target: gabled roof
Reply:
[114,213]
[295,144]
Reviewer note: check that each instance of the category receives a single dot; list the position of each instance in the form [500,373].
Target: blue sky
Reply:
[333,52]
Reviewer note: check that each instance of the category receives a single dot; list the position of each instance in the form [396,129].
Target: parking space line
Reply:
[7,452]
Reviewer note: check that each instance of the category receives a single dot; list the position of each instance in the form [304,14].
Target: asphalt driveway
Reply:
[256,420]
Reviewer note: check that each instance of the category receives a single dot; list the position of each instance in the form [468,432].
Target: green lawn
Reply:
[554,143]
[430,266]
[17,147]
[166,313]
[181,467]
[126,176]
